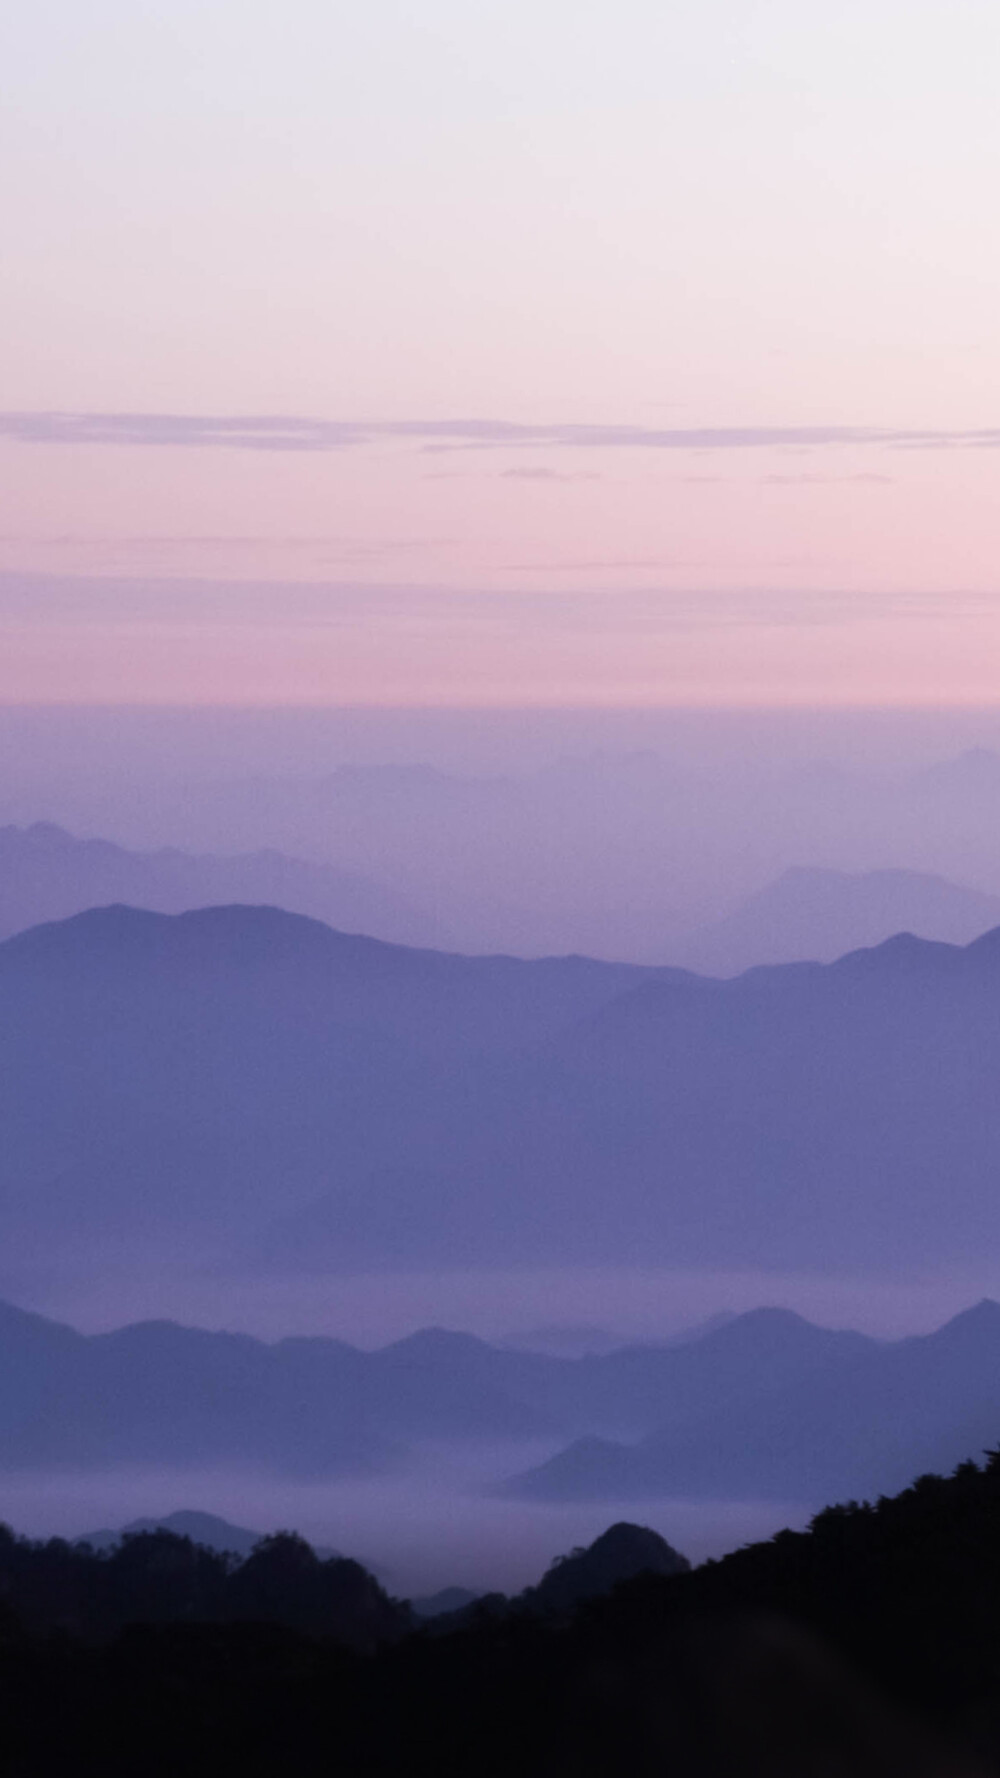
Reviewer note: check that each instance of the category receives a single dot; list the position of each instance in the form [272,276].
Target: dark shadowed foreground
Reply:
[867,1645]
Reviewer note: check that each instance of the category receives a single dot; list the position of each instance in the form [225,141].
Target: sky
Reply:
[595,353]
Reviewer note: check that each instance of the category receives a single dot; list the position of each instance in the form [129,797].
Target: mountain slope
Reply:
[157,1393]
[189,1073]
[246,1084]
[856,1422]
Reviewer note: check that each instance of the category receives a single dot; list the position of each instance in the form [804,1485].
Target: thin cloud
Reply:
[548,475]
[47,600]
[821,481]
[289,432]
[655,563]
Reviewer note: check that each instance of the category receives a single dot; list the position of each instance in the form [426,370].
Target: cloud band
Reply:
[289,432]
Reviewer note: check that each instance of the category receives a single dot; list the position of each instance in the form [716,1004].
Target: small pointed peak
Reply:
[904,950]
[437,1342]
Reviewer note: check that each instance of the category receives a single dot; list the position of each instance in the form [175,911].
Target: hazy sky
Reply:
[499,351]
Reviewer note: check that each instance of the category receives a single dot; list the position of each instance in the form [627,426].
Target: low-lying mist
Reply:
[435,1524]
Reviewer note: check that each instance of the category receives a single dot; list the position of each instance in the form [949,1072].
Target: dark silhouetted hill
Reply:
[160,1576]
[864,1647]
[619,1554]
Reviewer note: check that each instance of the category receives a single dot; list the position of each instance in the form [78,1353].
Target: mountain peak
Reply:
[437,1343]
[621,1553]
[237,932]
[904,950]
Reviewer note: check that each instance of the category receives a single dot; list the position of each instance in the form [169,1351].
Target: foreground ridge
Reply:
[858,1647]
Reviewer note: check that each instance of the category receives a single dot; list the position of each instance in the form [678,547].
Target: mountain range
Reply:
[816,1415]
[806,914]
[632,855]
[250,1087]
[48,874]
[816,916]
[765,1406]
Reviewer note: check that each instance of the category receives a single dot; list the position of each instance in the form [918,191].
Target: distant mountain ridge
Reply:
[766,1405]
[814,915]
[257,1089]
[206,1529]
[853,1423]
[48,874]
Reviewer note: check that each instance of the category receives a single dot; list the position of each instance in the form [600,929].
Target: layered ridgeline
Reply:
[247,1085]
[815,916]
[49,874]
[766,1406]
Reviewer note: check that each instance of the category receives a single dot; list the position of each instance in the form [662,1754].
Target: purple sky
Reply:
[492,354]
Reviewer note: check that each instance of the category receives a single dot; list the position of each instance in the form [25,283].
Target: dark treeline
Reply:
[157,1577]
[869,1644]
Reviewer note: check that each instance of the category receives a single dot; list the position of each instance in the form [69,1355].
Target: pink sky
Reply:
[658,224]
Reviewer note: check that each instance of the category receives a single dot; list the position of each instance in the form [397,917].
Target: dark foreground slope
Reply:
[252,1085]
[161,1577]
[866,1646]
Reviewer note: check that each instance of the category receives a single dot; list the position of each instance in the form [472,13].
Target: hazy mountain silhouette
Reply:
[48,874]
[766,1405]
[562,1340]
[206,1529]
[852,1420]
[174,1076]
[975,772]
[567,1341]
[813,915]
[611,851]
[159,1394]
[251,1084]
